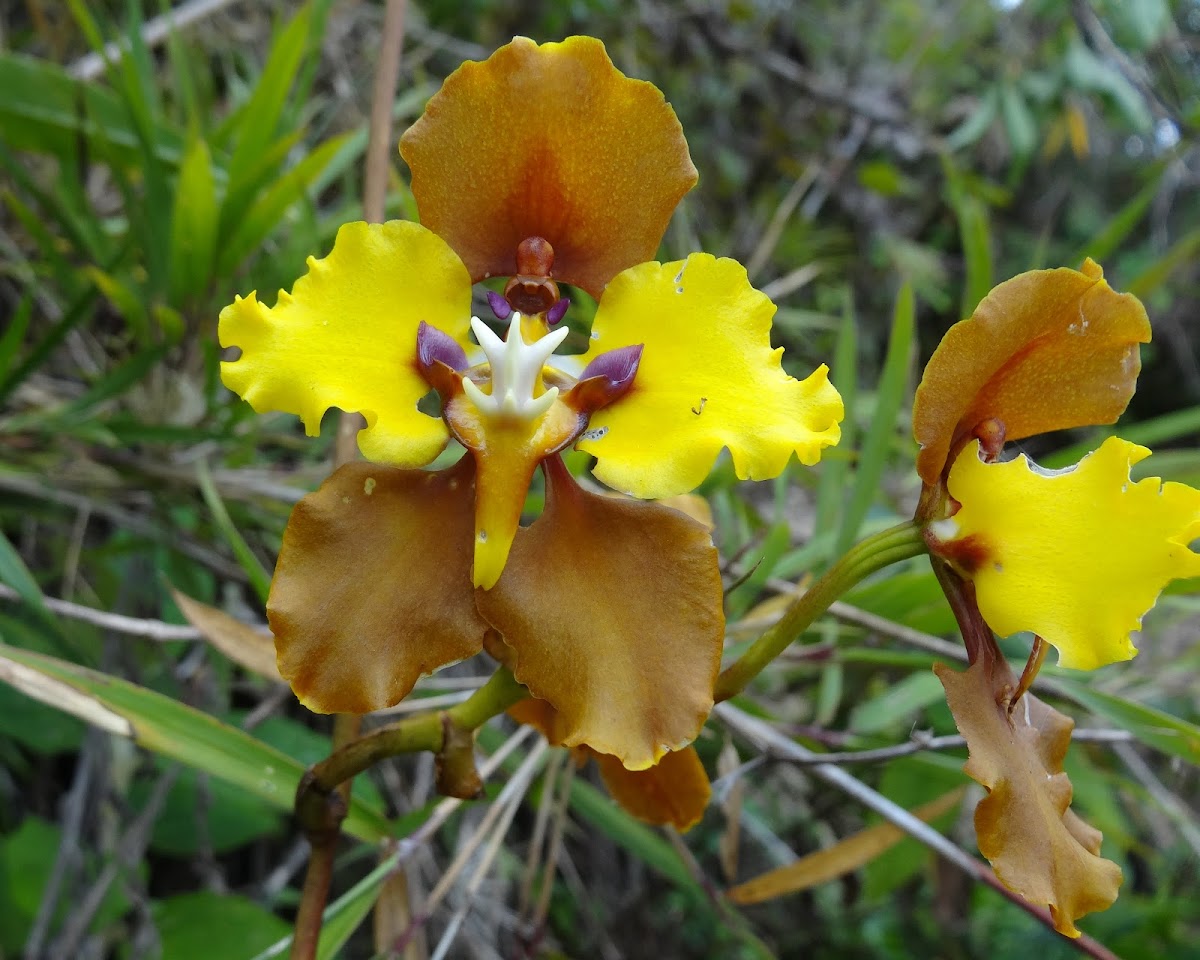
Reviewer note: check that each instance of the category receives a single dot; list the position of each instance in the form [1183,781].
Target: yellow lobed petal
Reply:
[346,337]
[1076,556]
[549,141]
[1046,350]
[708,379]
[613,613]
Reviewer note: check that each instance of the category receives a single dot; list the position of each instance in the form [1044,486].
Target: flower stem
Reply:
[881,550]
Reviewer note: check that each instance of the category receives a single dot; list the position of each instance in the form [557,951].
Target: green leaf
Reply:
[26,859]
[834,470]
[1088,72]
[1149,433]
[259,578]
[1018,121]
[896,705]
[976,124]
[1151,726]
[1101,246]
[1183,251]
[193,224]
[15,574]
[36,726]
[115,383]
[74,315]
[344,915]
[203,925]
[55,113]
[889,399]
[641,841]
[14,336]
[259,119]
[173,730]
[215,815]
[267,211]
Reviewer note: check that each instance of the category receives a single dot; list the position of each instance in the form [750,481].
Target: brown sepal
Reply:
[1046,350]
[1038,847]
[373,585]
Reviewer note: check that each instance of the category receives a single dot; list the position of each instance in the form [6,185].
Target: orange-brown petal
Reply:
[548,141]
[1046,350]
[373,585]
[613,610]
[674,791]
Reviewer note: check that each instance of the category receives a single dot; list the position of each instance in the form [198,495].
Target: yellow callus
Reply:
[510,422]
[1076,556]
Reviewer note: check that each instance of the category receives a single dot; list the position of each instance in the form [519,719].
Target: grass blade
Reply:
[893,389]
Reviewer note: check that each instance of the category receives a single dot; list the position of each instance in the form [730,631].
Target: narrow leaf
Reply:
[172,729]
[193,224]
[889,399]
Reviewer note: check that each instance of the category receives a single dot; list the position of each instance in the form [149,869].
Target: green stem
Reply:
[421,732]
[883,549]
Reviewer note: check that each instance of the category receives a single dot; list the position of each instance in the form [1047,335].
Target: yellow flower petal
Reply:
[347,336]
[1077,556]
[708,379]
[549,141]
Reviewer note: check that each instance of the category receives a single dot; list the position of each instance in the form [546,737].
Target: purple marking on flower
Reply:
[500,307]
[616,366]
[433,344]
[558,311]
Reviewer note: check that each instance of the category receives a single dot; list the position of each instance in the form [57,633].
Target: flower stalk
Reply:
[893,545]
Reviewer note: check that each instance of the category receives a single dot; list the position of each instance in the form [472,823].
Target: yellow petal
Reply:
[549,141]
[613,612]
[1046,350]
[347,336]
[373,586]
[674,791]
[1077,556]
[708,379]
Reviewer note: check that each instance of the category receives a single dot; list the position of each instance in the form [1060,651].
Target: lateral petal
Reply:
[1076,556]
[346,336]
[707,379]
[674,791]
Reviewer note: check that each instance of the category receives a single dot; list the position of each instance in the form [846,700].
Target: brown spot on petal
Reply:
[373,585]
[1046,350]
[613,610]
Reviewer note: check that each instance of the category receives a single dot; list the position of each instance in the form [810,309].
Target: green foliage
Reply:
[882,166]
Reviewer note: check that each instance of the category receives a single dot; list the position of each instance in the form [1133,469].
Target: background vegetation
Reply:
[844,149]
